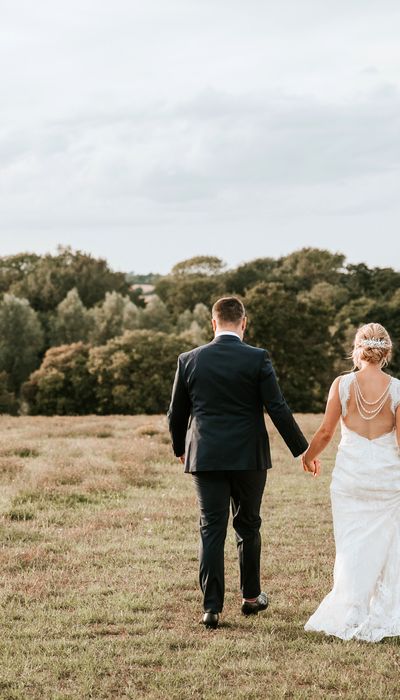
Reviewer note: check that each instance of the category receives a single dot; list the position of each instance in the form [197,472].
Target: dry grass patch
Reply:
[99,594]
[10,468]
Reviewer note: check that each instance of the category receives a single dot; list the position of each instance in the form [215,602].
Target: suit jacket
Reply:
[216,414]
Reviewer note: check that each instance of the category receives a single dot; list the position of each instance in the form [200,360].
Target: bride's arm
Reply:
[398,424]
[326,431]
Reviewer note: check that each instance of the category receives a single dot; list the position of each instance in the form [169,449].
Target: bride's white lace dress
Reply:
[365,494]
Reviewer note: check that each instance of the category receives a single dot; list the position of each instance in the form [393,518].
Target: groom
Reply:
[216,421]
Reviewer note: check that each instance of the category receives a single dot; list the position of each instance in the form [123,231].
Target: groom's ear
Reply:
[244,323]
[214,324]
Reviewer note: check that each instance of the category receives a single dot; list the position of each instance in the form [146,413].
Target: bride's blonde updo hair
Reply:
[372,344]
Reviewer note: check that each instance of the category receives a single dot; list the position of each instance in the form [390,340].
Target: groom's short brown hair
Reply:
[228,310]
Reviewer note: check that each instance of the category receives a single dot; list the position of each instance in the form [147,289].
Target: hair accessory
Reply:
[375,343]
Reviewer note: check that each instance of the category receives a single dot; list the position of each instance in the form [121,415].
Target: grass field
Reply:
[99,593]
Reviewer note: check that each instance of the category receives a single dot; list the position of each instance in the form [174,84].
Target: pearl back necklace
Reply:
[363,405]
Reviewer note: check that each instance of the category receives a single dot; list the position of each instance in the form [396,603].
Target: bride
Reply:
[365,494]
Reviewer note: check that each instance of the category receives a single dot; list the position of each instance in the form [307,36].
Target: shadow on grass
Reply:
[24,452]
[24,505]
[11,535]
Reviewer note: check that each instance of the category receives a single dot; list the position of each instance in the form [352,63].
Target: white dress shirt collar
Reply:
[218,333]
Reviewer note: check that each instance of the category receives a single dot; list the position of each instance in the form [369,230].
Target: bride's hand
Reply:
[313,466]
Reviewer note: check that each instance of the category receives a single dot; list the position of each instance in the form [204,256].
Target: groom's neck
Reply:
[230,329]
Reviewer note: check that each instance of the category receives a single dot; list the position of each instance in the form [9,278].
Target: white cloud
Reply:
[192,120]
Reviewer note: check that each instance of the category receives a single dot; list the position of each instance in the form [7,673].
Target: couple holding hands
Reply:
[216,421]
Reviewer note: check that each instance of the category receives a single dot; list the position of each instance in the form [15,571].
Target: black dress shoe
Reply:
[210,620]
[254,608]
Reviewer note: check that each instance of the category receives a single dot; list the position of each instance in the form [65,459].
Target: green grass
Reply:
[99,593]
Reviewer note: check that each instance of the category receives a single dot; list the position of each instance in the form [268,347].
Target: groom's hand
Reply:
[182,459]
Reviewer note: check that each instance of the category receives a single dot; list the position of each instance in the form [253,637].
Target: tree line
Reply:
[77,337]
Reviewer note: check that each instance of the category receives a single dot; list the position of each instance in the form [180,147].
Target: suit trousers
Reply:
[216,491]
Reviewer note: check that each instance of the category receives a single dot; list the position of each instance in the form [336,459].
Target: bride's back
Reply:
[367,391]
[368,397]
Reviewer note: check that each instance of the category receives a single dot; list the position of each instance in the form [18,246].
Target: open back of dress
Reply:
[376,425]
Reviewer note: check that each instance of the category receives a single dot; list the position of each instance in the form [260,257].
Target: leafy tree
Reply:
[184,321]
[156,316]
[115,315]
[306,267]
[330,295]
[377,283]
[195,326]
[14,267]
[249,274]
[181,293]
[304,306]
[62,385]
[298,337]
[358,280]
[134,372]
[21,339]
[195,335]
[49,278]
[8,401]
[395,300]
[202,316]
[390,315]
[384,283]
[199,265]
[136,296]
[194,281]
[149,278]
[356,313]
[72,322]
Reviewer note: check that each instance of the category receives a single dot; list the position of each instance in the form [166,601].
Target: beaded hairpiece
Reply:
[375,343]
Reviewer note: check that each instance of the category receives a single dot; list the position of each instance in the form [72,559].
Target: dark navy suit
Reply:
[216,418]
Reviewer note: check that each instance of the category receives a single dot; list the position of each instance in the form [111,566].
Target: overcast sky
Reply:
[150,131]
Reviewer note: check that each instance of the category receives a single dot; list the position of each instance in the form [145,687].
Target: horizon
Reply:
[227,264]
